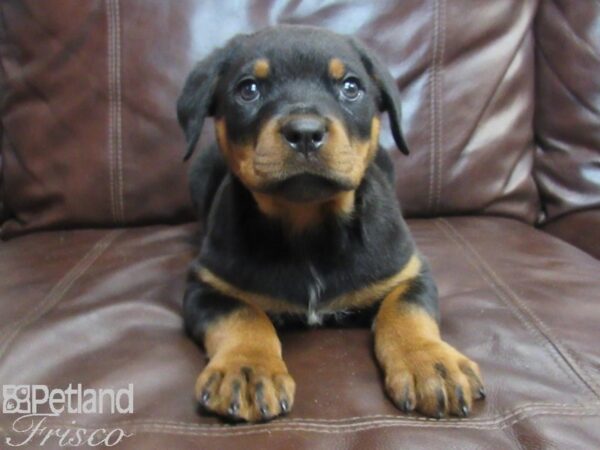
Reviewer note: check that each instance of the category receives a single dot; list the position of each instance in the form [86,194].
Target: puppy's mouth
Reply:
[303,159]
[307,187]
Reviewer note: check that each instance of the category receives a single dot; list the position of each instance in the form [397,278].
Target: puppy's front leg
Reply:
[422,371]
[246,378]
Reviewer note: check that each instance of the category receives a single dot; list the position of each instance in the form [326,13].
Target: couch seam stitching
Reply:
[382,424]
[119,109]
[533,323]
[523,408]
[217,430]
[362,428]
[58,291]
[440,117]
[110,129]
[432,100]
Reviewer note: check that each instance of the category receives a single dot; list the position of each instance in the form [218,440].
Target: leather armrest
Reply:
[581,229]
[2,212]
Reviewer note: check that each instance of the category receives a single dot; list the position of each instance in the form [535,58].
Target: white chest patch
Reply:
[315,291]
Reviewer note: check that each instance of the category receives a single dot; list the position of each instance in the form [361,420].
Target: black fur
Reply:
[390,100]
[197,101]
[423,292]
[202,305]
[206,175]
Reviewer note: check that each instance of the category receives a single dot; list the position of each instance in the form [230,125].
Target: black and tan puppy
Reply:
[301,223]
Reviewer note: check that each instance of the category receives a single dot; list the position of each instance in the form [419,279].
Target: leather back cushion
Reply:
[89,115]
[568,103]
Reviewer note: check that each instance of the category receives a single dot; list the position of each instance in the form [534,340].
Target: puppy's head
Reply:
[296,110]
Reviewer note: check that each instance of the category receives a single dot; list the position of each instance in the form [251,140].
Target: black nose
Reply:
[305,134]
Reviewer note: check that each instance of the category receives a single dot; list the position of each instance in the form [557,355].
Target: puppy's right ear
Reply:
[196,101]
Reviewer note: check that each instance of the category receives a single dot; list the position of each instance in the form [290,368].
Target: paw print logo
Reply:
[16,399]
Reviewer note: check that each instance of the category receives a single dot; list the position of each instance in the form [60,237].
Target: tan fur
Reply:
[246,330]
[240,158]
[337,69]
[422,371]
[350,159]
[301,216]
[261,68]
[270,160]
[245,356]
[253,166]
[342,204]
[367,295]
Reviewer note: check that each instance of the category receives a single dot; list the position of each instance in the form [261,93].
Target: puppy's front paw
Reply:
[434,379]
[251,388]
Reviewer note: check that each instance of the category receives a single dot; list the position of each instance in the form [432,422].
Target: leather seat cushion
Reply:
[102,308]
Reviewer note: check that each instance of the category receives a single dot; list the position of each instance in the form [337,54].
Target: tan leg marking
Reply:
[422,371]
[364,297]
[246,378]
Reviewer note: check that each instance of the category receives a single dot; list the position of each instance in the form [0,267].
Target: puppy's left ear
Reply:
[390,95]
[197,100]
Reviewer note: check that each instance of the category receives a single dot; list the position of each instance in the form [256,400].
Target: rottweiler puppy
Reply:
[301,224]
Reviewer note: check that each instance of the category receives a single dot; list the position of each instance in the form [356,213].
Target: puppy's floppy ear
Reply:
[197,101]
[390,95]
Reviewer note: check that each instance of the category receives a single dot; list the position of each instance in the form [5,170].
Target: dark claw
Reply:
[462,405]
[481,393]
[471,374]
[441,400]
[284,405]
[234,408]
[406,405]
[464,410]
[264,411]
[260,398]
[205,397]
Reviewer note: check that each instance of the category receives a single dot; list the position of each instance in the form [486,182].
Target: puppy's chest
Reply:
[342,271]
[307,292]
[345,297]
[315,296]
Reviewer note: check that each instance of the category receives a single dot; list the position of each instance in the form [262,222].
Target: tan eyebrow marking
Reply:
[261,68]
[336,68]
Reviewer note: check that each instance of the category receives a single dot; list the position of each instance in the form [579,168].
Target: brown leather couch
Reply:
[502,114]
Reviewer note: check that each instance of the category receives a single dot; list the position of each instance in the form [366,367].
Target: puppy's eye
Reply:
[248,90]
[351,89]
